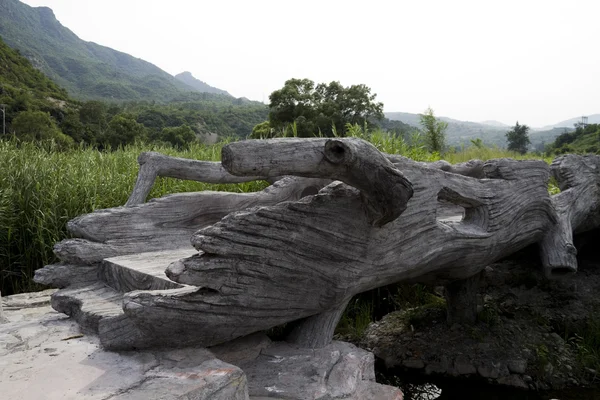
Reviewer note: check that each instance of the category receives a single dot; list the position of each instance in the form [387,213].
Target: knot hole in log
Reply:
[461,210]
[337,152]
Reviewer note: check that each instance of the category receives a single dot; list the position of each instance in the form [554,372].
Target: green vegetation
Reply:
[322,109]
[39,126]
[38,109]
[42,188]
[585,139]
[585,341]
[518,139]
[461,133]
[418,302]
[18,76]
[435,131]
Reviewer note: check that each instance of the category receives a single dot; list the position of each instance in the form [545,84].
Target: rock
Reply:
[39,345]
[440,367]
[514,381]
[339,370]
[492,370]
[517,366]
[413,363]
[548,369]
[464,367]
[241,350]
[376,391]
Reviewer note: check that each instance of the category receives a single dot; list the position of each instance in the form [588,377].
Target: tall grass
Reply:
[42,188]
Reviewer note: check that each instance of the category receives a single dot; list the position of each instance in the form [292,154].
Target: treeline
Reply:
[584,139]
[36,109]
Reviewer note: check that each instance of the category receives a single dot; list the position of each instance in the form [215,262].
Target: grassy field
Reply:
[42,188]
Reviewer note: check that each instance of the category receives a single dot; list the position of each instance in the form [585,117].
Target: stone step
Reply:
[142,271]
[98,309]
[89,304]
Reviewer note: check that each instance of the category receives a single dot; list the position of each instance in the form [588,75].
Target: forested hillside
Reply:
[39,109]
[87,70]
[584,139]
[28,96]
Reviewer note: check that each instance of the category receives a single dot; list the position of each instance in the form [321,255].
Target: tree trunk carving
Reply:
[299,250]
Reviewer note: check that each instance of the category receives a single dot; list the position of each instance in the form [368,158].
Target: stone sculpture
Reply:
[340,218]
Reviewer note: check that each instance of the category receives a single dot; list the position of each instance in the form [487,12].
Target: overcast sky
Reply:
[537,62]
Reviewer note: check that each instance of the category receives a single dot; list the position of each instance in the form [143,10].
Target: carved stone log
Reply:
[265,266]
[168,222]
[472,168]
[316,331]
[269,261]
[577,209]
[384,189]
[154,164]
[461,300]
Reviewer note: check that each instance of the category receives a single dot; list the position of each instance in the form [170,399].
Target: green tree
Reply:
[38,126]
[123,129]
[93,113]
[435,131]
[322,108]
[179,137]
[518,138]
[72,127]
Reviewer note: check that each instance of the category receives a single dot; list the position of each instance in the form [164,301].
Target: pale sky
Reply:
[537,62]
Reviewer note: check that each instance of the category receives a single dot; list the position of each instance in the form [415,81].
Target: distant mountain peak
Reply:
[198,85]
[86,69]
[495,123]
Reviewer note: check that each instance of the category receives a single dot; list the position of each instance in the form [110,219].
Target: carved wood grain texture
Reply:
[279,255]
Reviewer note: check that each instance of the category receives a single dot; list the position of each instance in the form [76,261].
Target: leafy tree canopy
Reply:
[322,108]
[179,137]
[38,126]
[518,138]
[123,129]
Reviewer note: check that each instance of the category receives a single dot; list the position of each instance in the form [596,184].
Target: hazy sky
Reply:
[533,61]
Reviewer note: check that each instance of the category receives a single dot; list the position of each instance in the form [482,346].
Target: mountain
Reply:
[17,76]
[569,123]
[495,123]
[459,132]
[187,78]
[462,132]
[87,70]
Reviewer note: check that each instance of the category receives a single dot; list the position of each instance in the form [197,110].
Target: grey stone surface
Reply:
[517,366]
[415,363]
[142,271]
[44,355]
[39,346]
[339,370]
[243,350]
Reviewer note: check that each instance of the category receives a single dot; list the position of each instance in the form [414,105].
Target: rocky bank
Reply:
[530,332]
